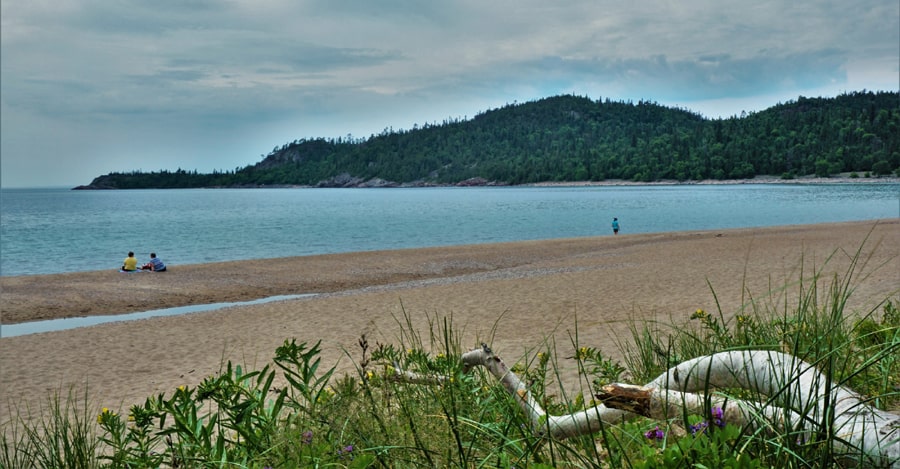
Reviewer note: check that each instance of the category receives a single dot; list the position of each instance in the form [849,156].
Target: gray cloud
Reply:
[705,77]
[212,84]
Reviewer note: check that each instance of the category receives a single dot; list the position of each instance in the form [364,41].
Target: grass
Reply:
[294,413]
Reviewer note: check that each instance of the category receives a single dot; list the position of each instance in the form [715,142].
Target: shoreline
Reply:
[513,296]
[843,178]
[28,298]
[722,182]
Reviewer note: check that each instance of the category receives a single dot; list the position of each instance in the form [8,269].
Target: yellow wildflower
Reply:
[105,414]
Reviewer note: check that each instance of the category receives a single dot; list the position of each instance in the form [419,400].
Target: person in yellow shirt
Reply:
[130,263]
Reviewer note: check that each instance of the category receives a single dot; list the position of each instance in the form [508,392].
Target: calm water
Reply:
[50,325]
[58,230]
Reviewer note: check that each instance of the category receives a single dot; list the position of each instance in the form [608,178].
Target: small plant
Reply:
[234,416]
[602,370]
[132,441]
[710,447]
[300,366]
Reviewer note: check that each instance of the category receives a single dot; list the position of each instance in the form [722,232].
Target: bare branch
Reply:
[795,395]
[792,384]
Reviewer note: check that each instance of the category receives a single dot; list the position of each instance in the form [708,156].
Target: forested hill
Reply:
[571,138]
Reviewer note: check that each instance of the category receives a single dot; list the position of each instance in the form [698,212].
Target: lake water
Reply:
[57,230]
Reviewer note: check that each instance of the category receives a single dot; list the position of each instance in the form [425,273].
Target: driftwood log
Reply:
[793,395]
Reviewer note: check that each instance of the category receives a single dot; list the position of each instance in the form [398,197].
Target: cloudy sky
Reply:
[94,86]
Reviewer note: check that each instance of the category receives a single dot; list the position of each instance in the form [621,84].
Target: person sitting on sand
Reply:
[155,264]
[130,263]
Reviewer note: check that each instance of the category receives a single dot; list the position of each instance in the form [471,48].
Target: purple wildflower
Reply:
[346,450]
[307,437]
[718,415]
[698,428]
[655,434]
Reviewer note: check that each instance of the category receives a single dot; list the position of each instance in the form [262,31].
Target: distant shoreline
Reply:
[725,182]
[376,183]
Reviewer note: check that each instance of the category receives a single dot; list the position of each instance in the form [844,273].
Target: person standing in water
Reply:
[615,226]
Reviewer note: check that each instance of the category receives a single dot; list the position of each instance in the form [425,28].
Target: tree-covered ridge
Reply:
[571,138]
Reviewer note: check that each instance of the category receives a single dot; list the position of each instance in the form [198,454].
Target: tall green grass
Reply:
[59,434]
[296,413]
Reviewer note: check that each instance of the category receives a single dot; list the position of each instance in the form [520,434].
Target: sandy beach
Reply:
[512,295]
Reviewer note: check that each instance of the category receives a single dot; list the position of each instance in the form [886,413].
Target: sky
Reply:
[89,87]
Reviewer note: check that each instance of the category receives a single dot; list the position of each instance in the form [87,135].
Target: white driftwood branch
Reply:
[799,398]
[793,384]
[557,427]
[664,404]
[405,376]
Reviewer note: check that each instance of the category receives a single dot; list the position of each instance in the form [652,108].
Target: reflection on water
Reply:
[25,328]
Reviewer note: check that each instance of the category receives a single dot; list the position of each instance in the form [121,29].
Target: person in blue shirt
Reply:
[155,264]
[615,226]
